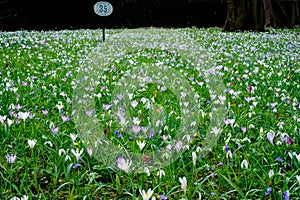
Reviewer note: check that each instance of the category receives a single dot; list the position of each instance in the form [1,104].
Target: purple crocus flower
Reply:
[119,135]
[163,197]
[269,190]
[106,106]
[226,148]
[89,112]
[163,88]
[89,151]
[285,196]
[151,134]
[54,130]
[243,129]
[227,121]
[65,118]
[76,165]
[270,137]
[120,96]
[11,158]
[136,129]
[289,141]
[279,159]
[18,107]
[45,112]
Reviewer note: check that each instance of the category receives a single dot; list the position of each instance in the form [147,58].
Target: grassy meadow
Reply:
[257,155]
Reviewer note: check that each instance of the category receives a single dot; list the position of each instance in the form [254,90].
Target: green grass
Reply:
[261,73]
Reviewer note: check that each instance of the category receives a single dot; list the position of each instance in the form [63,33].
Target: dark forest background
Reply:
[79,14]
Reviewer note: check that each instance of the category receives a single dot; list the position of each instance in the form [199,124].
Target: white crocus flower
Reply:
[147,171]
[271,173]
[141,144]
[76,153]
[160,173]
[31,143]
[73,137]
[147,195]
[24,197]
[9,122]
[124,164]
[183,182]
[23,115]
[194,157]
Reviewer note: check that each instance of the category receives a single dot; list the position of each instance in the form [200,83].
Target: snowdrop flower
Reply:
[76,153]
[160,173]
[67,158]
[228,154]
[49,143]
[141,144]
[146,195]
[194,157]
[59,106]
[31,143]
[183,182]
[73,137]
[124,164]
[271,173]
[61,151]
[147,171]
[244,164]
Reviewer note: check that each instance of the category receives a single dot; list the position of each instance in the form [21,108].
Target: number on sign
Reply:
[103,9]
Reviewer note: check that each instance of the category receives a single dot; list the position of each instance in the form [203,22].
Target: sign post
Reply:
[103,9]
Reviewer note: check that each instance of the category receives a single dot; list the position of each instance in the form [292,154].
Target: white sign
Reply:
[103,8]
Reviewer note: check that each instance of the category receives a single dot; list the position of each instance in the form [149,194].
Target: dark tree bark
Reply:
[237,18]
[258,15]
[295,13]
[255,15]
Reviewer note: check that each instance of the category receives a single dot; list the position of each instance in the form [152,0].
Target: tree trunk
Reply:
[295,13]
[258,15]
[249,15]
[276,16]
[239,16]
